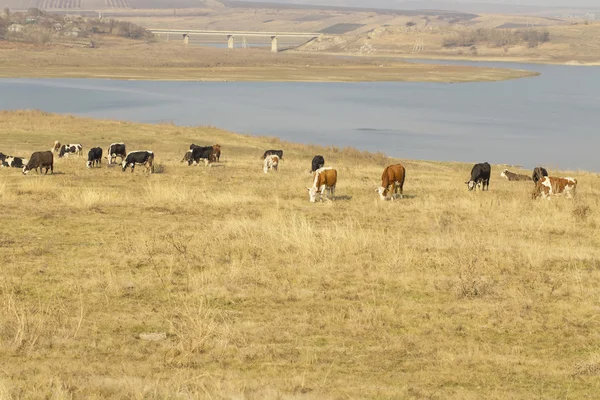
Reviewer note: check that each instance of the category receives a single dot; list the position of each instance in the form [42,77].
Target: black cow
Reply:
[14,162]
[94,157]
[67,149]
[538,174]
[40,159]
[2,158]
[205,153]
[480,176]
[140,157]
[116,150]
[278,153]
[317,162]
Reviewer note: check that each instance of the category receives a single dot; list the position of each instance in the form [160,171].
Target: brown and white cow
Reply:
[56,147]
[217,152]
[392,182]
[511,176]
[549,186]
[271,162]
[325,180]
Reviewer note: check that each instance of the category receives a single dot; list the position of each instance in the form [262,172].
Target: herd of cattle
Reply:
[325,178]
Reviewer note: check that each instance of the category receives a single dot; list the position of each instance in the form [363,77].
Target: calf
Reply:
[14,162]
[278,153]
[67,149]
[538,173]
[139,157]
[271,162]
[392,180]
[40,159]
[480,176]
[94,157]
[116,150]
[317,162]
[548,186]
[511,176]
[325,179]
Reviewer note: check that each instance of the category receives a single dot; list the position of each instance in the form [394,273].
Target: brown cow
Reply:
[511,176]
[325,179]
[271,162]
[217,152]
[56,147]
[40,159]
[392,182]
[548,186]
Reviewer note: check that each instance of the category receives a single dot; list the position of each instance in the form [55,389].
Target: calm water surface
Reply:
[552,119]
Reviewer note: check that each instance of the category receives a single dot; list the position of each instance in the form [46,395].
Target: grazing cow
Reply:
[14,162]
[40,159]
[271,162]
[392,182]
[187,157]
[139,157]
[2,158]
[538,173]
[94,157]
[548,186]
[116,150]
[317,162]
[511,176]
[480,176]
[56,147]
[325,179]
[278,153]
[202,153]
[67,149]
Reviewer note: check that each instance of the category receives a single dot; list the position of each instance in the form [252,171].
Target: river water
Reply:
[552,119]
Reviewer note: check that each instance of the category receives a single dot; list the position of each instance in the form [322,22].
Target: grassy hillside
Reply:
[253,292]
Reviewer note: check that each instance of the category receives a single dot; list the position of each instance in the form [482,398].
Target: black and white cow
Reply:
[139,157]
[41,160]
[2,158]
[278,153]
[67,149]
[317,162]
[14,162]
[94,157]
[116,150]
[538,174]
[480,176]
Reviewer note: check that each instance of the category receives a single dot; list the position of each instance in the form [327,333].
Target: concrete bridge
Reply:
[186,33]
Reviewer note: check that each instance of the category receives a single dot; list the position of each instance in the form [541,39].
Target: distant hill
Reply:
[104,4]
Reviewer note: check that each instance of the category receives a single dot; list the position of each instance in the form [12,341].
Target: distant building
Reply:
[15,28]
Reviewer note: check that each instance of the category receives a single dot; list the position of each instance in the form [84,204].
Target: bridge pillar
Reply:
[230,41]
[274,44]
[186,38]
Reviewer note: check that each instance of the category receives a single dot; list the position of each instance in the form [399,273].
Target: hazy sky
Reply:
[398,3]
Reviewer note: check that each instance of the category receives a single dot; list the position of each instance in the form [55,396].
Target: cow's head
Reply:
[503,173]
[381,191]
[471,185]
[124,166]
[312,194]
[25,170]
[89,164]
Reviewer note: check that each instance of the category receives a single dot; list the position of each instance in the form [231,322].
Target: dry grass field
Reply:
[126,59]
[252,292]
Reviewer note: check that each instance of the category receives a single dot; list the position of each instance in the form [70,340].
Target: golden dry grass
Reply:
[123,59]
[445,294]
